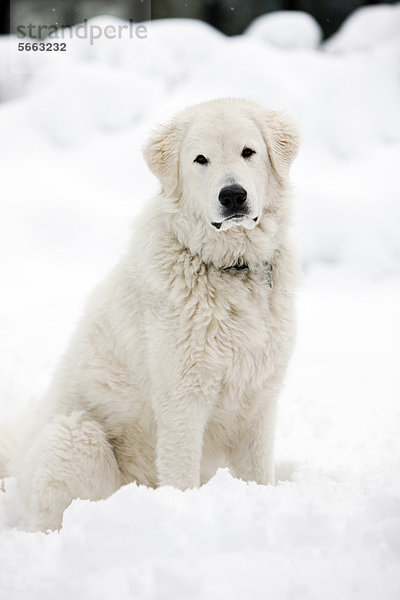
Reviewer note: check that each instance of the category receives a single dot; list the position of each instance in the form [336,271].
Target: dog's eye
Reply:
[246,152]
[202,160]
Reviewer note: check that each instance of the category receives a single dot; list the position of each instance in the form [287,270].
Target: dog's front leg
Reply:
[181,422]
[252,452]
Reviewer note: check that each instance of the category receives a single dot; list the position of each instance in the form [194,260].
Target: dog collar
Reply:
[239,266]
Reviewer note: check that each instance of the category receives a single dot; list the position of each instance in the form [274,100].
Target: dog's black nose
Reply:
[232,197]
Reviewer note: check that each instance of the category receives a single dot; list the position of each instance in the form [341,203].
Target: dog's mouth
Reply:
[238,217]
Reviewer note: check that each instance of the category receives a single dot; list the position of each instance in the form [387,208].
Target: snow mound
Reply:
[211,543]
[287,29]
[366,29]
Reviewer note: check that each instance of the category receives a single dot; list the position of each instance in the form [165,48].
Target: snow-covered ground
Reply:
[72,179]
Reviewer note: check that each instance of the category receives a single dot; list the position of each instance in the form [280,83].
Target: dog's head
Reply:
[218,159]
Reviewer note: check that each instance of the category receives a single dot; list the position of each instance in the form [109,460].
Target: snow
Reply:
[287,29]
[366,29]
[70,136]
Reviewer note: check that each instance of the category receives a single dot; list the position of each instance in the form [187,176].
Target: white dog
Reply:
[178,360]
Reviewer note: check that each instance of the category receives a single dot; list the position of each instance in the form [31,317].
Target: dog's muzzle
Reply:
[233,199]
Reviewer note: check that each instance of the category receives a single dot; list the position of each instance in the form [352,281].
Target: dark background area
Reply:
[230,16]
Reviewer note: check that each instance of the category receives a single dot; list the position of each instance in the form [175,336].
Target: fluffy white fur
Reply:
[176,365]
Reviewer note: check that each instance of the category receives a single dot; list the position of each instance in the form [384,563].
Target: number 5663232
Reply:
[42,47]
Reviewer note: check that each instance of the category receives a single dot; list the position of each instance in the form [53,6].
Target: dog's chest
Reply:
[229,322]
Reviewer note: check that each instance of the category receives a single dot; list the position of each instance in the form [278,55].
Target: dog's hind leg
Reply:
[71,458]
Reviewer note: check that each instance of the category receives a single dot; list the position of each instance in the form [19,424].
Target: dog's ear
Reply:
[282,139]
[161,153]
